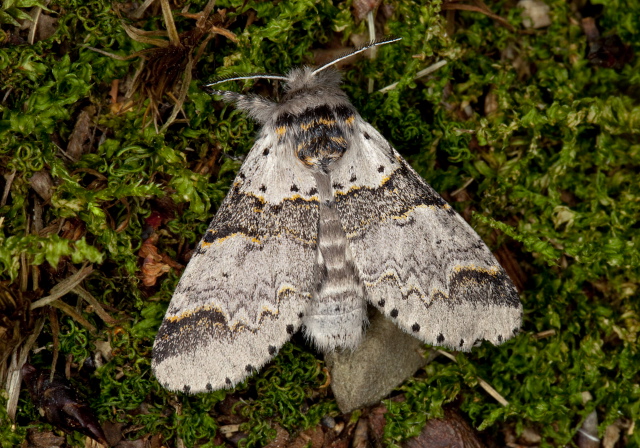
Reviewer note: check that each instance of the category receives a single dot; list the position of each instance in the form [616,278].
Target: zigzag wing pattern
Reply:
[243,294]
[421,264]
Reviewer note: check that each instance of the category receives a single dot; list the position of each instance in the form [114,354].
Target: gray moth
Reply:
[323,218]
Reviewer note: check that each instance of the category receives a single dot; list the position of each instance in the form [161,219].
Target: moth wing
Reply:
[241,297]
[421,264]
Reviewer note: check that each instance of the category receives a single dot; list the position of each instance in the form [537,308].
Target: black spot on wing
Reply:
[394,313]
[227,380]
[440,338]
[272,350]
[249,368]
[381,303]
[266,151]
[186,388]
[209,387]
[290,329]
[415,327]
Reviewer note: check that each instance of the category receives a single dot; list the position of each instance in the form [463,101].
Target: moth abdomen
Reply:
[337,314]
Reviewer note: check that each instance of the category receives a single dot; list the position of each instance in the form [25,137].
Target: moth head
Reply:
[306,80]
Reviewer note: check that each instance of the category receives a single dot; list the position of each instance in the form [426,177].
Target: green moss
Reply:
[287,392]
[554,173]
[10,435]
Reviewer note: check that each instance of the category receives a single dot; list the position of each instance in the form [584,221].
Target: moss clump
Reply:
[549,142]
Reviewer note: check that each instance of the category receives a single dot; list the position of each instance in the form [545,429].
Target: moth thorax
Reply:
[319,134]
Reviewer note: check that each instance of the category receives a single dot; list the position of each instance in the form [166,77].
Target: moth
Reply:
[323,218]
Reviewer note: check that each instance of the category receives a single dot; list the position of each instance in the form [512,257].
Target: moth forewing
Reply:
[323,218]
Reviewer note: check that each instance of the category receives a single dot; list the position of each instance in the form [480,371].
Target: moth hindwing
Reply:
[324,218]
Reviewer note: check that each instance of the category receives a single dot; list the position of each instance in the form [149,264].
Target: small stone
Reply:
[535,14]
[386,358]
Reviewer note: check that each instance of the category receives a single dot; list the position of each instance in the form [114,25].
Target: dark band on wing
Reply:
[400,193]
[201,325]
[178,332]
[249,215]
[481,286]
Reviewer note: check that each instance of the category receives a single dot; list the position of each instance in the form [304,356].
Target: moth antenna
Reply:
[365,47]
[236,77]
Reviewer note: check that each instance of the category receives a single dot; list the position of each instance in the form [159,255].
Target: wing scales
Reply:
[241,295]
[421,264]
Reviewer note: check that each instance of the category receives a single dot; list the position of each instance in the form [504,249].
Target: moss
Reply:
[554,172]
